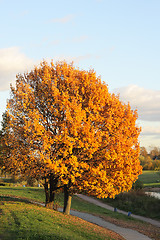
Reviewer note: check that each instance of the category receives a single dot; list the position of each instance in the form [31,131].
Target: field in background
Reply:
[150,178]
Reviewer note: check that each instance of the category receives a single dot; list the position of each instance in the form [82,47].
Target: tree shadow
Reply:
[13,199]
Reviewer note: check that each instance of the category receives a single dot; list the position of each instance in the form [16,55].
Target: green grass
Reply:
[32,193]
[153,185]
[142,205]
[150,178]
[20,220]
[26,224]
[37,194]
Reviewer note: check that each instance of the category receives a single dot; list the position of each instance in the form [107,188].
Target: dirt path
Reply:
[106,206]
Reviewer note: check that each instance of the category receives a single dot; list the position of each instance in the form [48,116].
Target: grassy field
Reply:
[37,194]
[150,178]
[17,219]
[20,220]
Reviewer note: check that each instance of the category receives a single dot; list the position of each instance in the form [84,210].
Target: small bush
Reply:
[137,185]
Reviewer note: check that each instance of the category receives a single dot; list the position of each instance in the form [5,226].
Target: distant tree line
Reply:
[150,160]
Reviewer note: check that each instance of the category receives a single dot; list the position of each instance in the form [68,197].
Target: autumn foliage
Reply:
[65,125]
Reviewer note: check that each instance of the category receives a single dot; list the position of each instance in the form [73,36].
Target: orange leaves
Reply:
[63,121]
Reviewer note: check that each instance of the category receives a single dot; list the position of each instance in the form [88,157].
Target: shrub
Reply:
[137,185]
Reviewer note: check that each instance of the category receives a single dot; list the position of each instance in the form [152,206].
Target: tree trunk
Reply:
[53,186]
[46,191]
[67,201]
[50,192]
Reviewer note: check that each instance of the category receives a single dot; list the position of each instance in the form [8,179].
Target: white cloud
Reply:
[149,141]
[151,130]
[12,62]
[148,104]
[65,19]
[145,100]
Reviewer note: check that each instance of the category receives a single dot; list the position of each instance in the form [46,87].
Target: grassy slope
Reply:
[37,194]
[21,220]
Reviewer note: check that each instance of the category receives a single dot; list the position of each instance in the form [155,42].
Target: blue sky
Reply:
[119,39]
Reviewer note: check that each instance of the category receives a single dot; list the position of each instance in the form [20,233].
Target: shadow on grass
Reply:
[23,188]
[31,235]
[13,188]
[13,199]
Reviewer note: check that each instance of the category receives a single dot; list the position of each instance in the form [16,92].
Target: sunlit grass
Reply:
[32,193]
[21,220]
[37,194]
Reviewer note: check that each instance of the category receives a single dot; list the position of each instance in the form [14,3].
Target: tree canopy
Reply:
[64,123]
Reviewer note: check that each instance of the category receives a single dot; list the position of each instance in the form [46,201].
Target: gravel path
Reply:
[99,203]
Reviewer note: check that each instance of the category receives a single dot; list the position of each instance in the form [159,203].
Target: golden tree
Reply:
[65,127]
